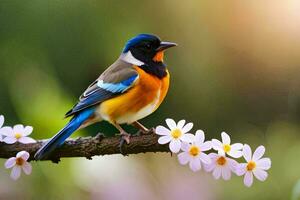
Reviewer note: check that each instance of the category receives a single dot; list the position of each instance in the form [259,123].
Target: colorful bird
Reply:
[130,89]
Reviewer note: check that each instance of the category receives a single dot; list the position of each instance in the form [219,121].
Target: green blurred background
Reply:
[236,69]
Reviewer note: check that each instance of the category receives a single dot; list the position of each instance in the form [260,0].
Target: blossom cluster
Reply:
[191,149]
[11,135]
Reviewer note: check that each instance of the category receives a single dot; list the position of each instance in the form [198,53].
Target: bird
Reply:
[130,89]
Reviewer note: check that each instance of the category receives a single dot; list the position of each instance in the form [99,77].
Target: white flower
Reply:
[221,166]
[176,135]
[224,147]
[17,133]
[18,163]
[255,165]
[1,124]
[193,153]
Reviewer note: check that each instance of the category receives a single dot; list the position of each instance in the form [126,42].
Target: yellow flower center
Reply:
[18,135]
[194,151]
[226,148]
[251,165]
[176,133]
[221,160]
[19,161]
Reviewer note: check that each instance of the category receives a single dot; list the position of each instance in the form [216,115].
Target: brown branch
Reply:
[89,146]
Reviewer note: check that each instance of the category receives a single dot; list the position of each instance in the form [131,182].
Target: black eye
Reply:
[148,46]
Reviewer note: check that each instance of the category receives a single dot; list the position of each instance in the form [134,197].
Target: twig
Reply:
[89,146]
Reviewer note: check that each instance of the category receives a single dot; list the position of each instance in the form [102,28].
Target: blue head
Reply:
[140,40]
[146,48]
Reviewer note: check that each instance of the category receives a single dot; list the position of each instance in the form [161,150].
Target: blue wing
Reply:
[83,110]
[117,87]
[100,91]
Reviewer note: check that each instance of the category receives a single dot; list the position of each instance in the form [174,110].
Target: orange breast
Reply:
[138,102]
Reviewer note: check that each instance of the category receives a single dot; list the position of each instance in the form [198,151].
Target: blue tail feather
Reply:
[58,139]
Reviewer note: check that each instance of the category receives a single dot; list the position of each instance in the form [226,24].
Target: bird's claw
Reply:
[99,136]
[152,130]
[125,137]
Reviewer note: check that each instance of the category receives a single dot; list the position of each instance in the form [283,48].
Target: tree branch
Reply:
[89,146]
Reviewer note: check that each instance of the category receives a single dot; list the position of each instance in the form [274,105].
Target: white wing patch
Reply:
[129,58]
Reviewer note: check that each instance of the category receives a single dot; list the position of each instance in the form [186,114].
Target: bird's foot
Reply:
[151,130]
[125,137]
[99,136]
[146,131]
[142,129]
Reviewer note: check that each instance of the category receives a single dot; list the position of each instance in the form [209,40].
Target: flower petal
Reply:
[1,120]
[212,165]
[23,154]
[241,169]
[221,153]
[9,140]
[237,146]
[27,130]
[15,172]
[183,158]
[260,174]
[10,162]
[188,137]
[164,139]
[187,127]
[27,168]
[7,131]
[216,144]
[248,179]
[236,150]
[247,152]
[171,123]
[264,163]
[185,146]
[19,128]
[205,158]
[180,124]
[205,146]
[226,173]
[175,146]
[161,130]
[235,153]
[233,164]
[213,156]
[225,138]
[199,137]
[217,172]
[258,153]
[195,164]
[26,140]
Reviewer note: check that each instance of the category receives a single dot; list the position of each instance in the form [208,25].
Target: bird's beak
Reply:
[165,45]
